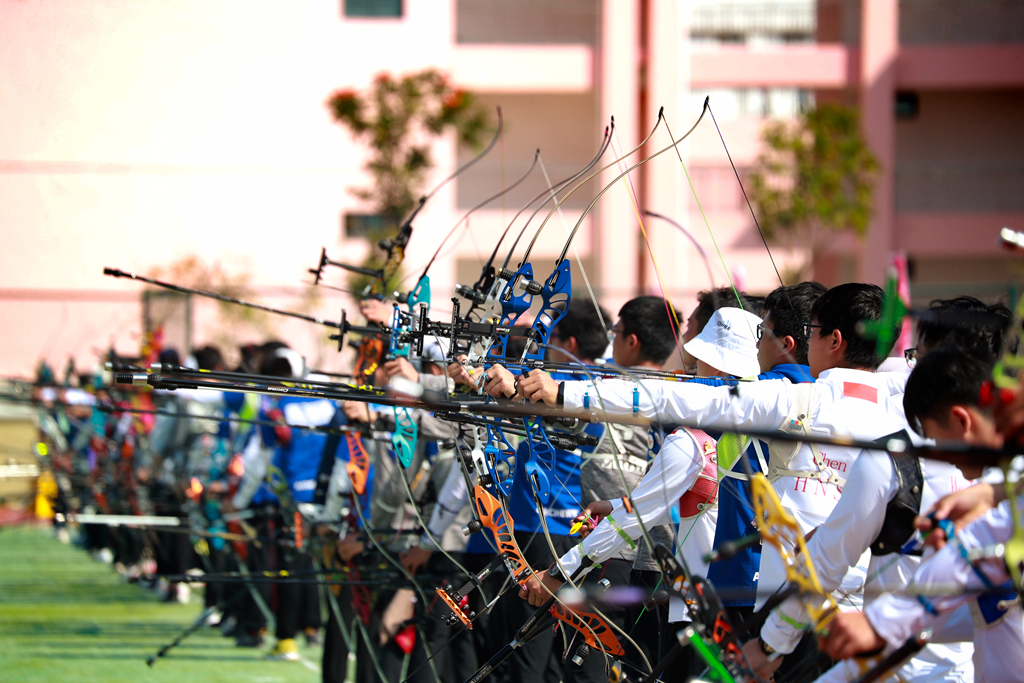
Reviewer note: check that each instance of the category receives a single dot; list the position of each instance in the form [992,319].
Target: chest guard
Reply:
[704,493]
[898,526]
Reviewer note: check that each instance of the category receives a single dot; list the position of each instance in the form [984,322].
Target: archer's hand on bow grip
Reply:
[537,386]
[463,374]
[501,383]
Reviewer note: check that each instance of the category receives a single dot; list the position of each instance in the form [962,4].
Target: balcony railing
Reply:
[527,22]
[961,21]
[744,17]
[967,187]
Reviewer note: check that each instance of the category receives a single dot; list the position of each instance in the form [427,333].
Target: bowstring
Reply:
[576,253]
[669,306]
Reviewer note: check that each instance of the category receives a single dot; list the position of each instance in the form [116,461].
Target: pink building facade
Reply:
[138,134]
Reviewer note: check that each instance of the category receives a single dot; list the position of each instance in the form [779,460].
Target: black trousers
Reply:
[298,604]
[336,649]
[656,637]
[257,559]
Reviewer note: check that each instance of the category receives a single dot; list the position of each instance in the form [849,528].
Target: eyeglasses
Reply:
[807,327]
[910,354]
[762,329]
[617,332]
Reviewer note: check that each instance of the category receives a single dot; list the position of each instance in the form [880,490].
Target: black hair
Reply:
[984,341]
[842,308]
[582,321]
[249,363]
[170,356]
[209,358]
[648,317]
[948,377]
[789,308]
[709,301]
[276,366]
[755,304]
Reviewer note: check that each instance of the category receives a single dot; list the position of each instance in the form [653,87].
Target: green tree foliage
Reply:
[815,177]
[398,118]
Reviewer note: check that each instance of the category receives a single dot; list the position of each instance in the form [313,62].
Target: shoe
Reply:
[184,593]
[313,638]
[214,619]
[104,555]
[286,650]
[246,639]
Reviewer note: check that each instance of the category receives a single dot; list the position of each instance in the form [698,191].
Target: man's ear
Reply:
[961,417]
[836,340]
[633,342]
[572,345]
[788,345]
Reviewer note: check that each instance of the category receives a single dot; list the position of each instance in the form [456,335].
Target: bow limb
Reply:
[494,516]
[779,528]
[426,529]
[395,246]
[482,204]
[618,455]
[487,292]
[540,228]
[605,143]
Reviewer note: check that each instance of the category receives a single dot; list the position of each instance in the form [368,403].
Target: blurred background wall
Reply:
[137,134]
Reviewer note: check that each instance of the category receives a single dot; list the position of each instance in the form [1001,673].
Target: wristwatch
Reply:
[555,572]
[767,649]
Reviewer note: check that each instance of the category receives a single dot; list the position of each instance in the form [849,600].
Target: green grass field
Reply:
[65,618]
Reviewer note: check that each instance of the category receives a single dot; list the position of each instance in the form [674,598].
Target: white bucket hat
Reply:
[728,342]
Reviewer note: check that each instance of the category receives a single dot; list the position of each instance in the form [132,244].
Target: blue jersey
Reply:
[736,578]
[298,460]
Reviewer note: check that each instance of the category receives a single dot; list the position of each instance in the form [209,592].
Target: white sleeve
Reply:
[255,471]
[673,471]
[450,501]
[946,579]
[761,405]
[838,543]
[339,486]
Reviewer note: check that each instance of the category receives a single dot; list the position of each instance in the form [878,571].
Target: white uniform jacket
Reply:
[947,582]
[845,402]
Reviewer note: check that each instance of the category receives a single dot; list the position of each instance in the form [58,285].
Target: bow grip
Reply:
[501,462]
[512,306]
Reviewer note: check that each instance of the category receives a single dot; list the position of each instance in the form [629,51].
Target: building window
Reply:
[372,8]
[363,225]
[907,105]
